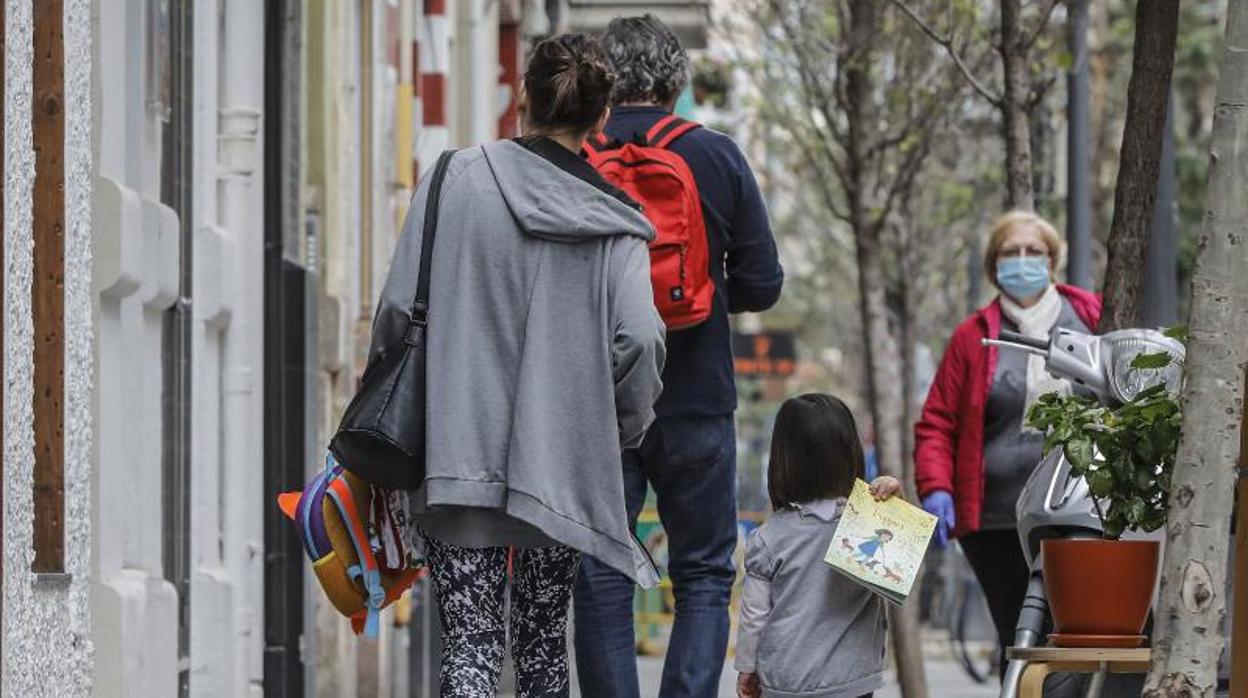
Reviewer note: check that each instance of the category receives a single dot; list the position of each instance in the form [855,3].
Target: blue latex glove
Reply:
[940,505]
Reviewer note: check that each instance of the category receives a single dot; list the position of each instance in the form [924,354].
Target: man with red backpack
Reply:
[714,255]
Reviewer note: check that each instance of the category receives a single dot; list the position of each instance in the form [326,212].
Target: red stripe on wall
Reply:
[508,60]
[433,99]
[392,35]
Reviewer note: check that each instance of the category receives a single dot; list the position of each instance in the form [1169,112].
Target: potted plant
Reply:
[1100,590]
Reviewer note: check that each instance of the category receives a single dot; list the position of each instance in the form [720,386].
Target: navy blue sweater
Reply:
[698,378]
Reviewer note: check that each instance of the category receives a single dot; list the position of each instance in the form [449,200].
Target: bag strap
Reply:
[668,129]
[596,143]
[420,305]
[366,570]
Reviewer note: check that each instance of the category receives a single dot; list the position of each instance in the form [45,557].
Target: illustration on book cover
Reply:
[880,544]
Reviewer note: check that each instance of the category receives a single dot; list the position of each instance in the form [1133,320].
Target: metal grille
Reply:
[176,192]
[290,313]
[294,246]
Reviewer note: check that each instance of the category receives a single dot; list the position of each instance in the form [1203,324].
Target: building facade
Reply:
[48,345]
[200,202]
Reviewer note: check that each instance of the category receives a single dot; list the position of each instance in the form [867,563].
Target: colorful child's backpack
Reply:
[355,535]
[660,180]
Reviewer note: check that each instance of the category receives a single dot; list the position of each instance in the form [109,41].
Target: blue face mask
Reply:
[1023,277]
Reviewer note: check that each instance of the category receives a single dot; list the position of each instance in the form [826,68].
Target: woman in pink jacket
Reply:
[973,452]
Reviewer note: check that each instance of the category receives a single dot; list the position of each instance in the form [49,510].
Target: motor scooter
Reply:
[1054,503]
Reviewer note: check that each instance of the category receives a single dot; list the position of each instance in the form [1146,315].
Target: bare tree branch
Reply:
[888,142]
[812,83]
[946,42]
[829,199]
[1040,89]
[903,184]
[1045,16]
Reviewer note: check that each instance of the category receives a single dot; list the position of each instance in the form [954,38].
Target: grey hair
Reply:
[650,63]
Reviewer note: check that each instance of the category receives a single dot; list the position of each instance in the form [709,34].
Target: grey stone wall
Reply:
[46,625]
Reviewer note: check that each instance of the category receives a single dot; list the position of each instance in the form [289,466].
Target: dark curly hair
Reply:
[651,63]
[569,82]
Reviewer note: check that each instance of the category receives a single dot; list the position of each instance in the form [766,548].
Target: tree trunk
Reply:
[908,340]
[1078,150]
[883,377]
[1192,607]
[1014,60]
[908,616]
[1239,623]
[1159,297]
[884,380]
[1156,25]
[1102,148]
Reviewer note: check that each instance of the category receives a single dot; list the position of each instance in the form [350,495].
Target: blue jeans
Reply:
[691,463]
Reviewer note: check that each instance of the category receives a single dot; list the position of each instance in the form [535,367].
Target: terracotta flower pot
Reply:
[1099,588]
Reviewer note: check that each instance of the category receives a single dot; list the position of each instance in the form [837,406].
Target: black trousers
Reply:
[999,565]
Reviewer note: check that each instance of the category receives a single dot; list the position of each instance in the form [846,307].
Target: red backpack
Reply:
[660,180]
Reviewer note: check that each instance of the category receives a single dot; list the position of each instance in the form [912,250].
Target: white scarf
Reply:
[1038,322]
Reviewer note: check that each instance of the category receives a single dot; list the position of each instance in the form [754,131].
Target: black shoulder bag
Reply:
[382,435]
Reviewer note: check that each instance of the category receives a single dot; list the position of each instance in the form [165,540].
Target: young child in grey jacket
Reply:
[805,629]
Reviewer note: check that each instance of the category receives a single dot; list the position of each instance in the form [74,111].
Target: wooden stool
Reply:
[1042,661]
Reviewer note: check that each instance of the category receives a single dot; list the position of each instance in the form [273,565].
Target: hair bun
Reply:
[569,83]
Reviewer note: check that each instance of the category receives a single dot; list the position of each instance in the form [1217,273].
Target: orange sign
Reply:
[764,355]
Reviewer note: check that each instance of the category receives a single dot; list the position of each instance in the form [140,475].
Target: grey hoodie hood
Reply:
[550,203]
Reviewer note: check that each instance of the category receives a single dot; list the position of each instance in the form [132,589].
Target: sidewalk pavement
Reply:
[945,679]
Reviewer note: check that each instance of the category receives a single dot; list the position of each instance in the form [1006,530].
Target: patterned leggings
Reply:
[471,584]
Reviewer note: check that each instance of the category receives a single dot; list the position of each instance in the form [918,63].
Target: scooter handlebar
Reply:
[1024,340]
[1018,342]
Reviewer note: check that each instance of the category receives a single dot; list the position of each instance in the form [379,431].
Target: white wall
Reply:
[135,624]
[333,142]
[135,610]
[474,80]
[241,216]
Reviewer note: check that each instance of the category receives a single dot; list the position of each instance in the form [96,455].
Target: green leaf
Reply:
[1080,454]
[1179,332]
[1113,528]
[1126,453]
[1051,442]
[1159,359]
[1153,521]
[1157,411]
[1148,399]
[1101,482]
[1120,464]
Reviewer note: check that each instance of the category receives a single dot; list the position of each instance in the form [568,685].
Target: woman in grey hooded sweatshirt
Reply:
[544,357]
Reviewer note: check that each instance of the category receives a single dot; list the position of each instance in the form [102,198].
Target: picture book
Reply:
[880,545]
